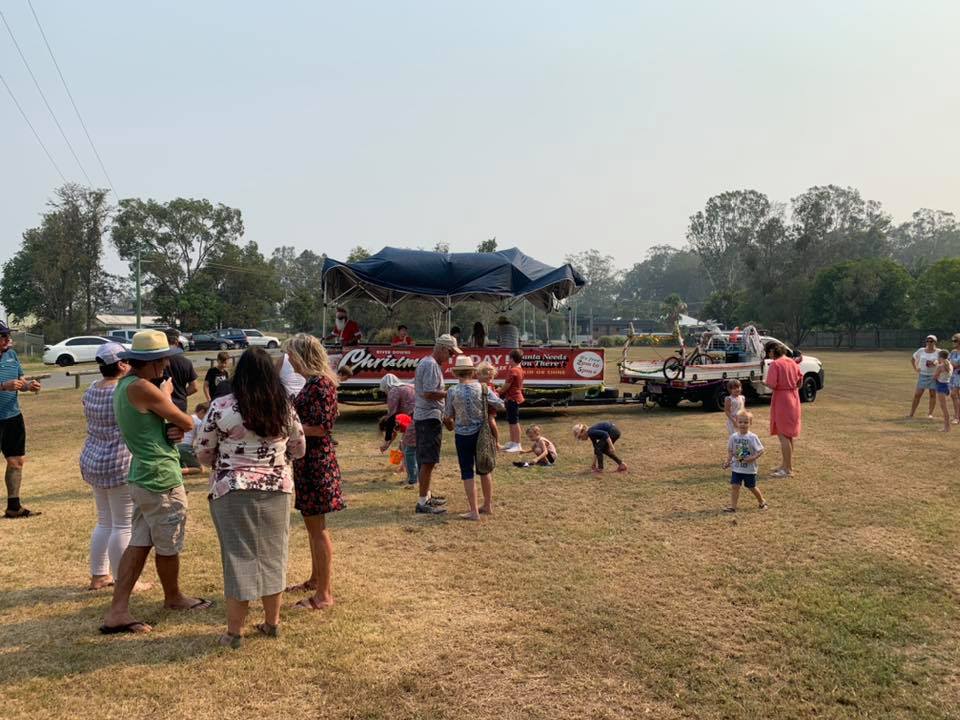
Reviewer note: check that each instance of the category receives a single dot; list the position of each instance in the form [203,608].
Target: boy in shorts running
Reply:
[743,450]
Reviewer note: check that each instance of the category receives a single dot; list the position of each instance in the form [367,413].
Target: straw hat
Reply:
[149,345]
[463,366]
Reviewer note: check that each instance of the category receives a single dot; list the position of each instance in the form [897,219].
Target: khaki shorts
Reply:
[159,519]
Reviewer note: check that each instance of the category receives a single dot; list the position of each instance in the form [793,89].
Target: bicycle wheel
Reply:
[672,368]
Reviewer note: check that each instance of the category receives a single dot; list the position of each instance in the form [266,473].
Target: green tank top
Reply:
[155,465]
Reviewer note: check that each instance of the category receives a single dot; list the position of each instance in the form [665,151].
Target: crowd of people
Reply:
[265,432]
[347,333]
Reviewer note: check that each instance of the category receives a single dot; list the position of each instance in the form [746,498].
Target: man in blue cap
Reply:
[13,433]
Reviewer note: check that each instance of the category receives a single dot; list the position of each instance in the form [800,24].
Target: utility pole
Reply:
[139,308]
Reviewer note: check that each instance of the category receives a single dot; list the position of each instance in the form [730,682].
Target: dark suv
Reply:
[237,335]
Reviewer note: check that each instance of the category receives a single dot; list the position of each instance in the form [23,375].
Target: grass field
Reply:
[617,596]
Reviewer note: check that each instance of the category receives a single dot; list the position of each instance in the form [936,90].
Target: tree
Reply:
[177,240]
[357,254]
[724,307]
[488,246]
[603,282]
[928,236]
[724,231]
[671,309]
[937,297]
[300,280]
[442,247]
[861,293]
[666,269]
[833,224]
[57,275]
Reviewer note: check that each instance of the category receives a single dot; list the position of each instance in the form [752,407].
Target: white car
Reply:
[257,339]
[82,348]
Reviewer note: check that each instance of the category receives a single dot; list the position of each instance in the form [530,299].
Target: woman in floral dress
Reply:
[250,437]
[317,475]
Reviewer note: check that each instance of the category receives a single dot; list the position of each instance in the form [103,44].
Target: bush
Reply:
[611,340]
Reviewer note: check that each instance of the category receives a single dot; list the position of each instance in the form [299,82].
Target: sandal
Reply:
[268,630]
[729,509]
[231,641]
[130,627]
[763,506]
[308,603]
[21,513]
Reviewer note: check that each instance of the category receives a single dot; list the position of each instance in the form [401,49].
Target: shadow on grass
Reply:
[677,515]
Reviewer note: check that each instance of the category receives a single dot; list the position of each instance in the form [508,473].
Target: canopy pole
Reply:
[323,310]
[449,314]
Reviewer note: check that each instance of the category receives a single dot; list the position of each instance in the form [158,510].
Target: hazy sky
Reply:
[556,126]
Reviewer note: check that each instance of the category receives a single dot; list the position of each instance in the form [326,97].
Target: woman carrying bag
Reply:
[467,411]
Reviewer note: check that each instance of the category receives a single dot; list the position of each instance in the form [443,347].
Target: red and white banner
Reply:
[541,365]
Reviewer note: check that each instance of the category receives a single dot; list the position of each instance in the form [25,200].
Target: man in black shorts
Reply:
[13,433]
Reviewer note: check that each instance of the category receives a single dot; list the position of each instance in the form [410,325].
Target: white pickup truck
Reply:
[668,382]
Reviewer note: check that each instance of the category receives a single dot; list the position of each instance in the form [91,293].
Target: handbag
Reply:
[486,459]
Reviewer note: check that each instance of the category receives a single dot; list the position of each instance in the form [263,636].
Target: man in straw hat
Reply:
[13,433]
[142,402]
[428,417]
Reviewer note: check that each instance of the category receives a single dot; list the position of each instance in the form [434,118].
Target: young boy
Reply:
[543,450]
[189,465]
[216,382]
[941,378]
[743,450]
[603,435]
[512,393]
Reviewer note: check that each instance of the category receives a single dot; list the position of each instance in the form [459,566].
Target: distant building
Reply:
[127,322]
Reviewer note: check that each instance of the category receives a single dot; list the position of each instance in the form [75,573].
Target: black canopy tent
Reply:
[396,274]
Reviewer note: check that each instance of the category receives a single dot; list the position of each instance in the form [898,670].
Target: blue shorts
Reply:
[749,480]
[466,453]
[513,412]
[943,388]
[926,382]
[955,380]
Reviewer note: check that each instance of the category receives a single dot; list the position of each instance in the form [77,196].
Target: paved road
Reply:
[59,379]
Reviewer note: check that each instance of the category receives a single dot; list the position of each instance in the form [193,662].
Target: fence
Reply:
[875,339]
[28,343]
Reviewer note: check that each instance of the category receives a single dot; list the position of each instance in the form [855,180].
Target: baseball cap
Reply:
[403,421]
[109,353]
[450,342]
[5,329]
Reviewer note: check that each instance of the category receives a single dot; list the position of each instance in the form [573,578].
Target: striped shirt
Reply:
[104,460]
[507,335]
[10,369]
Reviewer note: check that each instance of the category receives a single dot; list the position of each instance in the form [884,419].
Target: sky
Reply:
[556,126]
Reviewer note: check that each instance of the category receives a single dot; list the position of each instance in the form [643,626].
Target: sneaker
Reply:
[729,509]
[429,509]
[21,513]
[513,448]
[412,482]
[521,464]
[436,501]
[764,506]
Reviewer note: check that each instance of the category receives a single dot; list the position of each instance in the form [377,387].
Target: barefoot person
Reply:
[428,416]
[316,476]
[924,362]
[784,378]
[250,437]
[603,436]
[13,433]
[156,485]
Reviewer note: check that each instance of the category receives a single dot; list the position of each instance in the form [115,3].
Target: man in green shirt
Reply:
[141,403]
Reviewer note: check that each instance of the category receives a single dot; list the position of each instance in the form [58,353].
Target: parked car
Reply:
[127,335]
[78,349]
[257,339]
[209,341]
[238,336]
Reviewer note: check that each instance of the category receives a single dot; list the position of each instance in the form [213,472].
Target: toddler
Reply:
[400,422]
[544,452]
[189,465]
[733,405]
[603,435]
[743,450]
[486,372]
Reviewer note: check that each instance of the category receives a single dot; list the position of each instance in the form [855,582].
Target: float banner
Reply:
[543,366]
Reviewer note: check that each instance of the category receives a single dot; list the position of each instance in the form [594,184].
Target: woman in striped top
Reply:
[104,464]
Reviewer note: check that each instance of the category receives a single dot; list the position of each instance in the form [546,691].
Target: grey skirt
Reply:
[253,527]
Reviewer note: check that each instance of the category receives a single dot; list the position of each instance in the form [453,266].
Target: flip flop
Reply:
[311,604]
[200,604]
[126,628]
[21,513]
[268,630]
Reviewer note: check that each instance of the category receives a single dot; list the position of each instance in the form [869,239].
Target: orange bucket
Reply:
[396,457]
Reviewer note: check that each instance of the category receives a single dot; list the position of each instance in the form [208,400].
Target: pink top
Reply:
[243,460]
[783,376]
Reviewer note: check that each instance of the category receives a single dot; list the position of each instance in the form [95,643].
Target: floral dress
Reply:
[316,475]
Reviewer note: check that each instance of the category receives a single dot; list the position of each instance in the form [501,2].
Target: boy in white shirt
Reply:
[743,450]
[189,465]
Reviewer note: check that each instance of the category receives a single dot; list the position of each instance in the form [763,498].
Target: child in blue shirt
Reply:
[743,450]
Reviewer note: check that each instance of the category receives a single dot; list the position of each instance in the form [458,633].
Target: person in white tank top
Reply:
[733,404]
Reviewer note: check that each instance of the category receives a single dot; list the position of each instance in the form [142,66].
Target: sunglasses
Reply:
[341,317]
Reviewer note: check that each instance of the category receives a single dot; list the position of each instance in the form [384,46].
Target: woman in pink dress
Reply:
[784,378]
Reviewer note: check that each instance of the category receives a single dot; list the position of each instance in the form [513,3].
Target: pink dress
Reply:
[783,375]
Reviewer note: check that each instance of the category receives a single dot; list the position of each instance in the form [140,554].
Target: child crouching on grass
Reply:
[603,435]
[543,450]
[743,450]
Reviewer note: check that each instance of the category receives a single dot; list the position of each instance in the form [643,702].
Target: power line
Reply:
[72,102]
[44,97]
[35,133]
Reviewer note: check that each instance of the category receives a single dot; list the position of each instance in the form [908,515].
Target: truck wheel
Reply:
[714,401]
[808,390]
[667,401]
[672,367]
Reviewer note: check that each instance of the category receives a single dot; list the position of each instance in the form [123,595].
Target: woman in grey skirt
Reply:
[250,438]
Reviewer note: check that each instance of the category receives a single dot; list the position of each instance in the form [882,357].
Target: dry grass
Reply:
[626,596]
